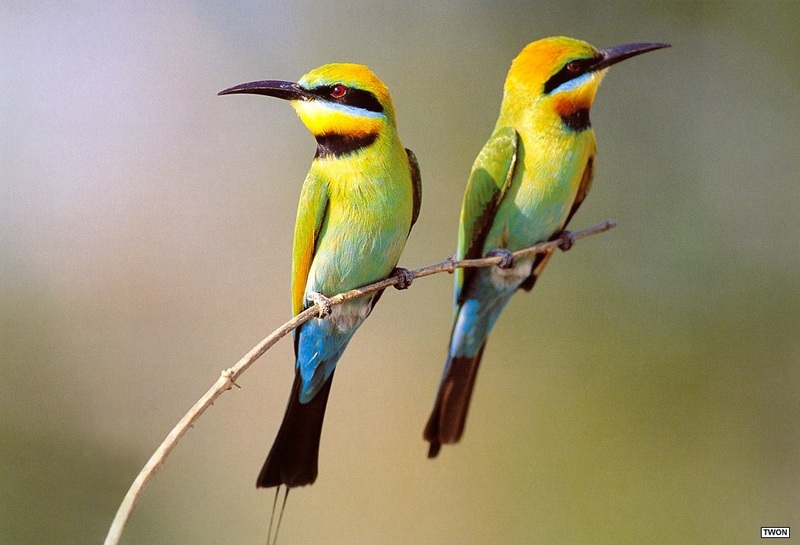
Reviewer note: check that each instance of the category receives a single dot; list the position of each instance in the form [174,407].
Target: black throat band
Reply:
[578,120]
[337,145]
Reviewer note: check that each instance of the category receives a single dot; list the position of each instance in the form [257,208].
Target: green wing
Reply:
[311,213]
[416,182]
[491,176]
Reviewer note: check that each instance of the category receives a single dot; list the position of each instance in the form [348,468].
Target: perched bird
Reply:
[525,185]
[357,206]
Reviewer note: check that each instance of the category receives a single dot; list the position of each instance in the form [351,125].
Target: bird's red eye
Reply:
[574,67]
[338,90]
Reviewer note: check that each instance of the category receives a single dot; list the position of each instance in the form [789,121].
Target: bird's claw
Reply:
[507,262]
[405,278]
[323,303]
[566,240]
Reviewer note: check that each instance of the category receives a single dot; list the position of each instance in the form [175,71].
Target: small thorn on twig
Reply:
[508,260]
[227,374]
[566,240]
[323,303]
[405,278]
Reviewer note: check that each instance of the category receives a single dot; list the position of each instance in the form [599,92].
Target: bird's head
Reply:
[334,100]
[564,72]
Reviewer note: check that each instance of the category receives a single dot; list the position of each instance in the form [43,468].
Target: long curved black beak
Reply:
[285,90]
[613,55]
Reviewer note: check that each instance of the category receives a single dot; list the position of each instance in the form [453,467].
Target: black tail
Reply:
[292,461]
[449,414]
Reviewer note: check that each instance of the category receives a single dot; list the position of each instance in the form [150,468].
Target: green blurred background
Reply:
[646,392]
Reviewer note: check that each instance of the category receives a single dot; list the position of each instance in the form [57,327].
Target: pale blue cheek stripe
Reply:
[351,110]
[573,83]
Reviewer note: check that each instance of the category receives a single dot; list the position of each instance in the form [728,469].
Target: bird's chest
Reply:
[361,238]
[542,192]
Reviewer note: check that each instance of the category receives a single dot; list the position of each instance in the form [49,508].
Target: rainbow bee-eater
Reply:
[357,206]
[525,185]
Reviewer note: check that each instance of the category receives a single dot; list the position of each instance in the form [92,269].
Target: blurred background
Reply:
[647,391]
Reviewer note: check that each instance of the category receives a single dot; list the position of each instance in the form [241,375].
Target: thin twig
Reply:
[228,377]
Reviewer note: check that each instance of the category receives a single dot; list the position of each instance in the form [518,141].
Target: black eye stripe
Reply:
[565,74]
[357,98]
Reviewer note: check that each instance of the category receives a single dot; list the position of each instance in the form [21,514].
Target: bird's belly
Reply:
[349,256]
[522,223]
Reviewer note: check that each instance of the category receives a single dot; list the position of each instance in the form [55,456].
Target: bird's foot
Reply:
[508,261]
[323,303]
[565,240]
[405,278]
